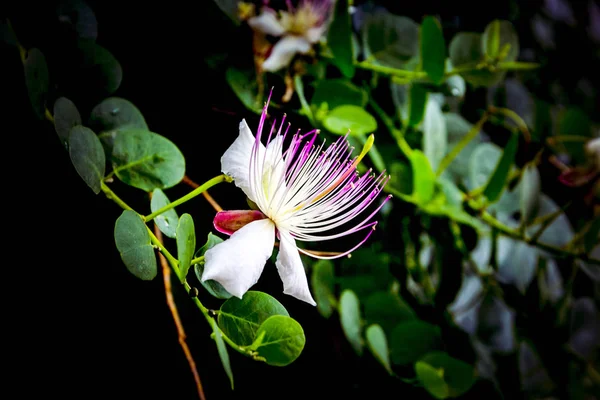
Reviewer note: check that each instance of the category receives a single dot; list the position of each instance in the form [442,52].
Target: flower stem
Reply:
[207,185]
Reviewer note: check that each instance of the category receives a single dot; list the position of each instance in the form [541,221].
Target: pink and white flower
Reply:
[305,193]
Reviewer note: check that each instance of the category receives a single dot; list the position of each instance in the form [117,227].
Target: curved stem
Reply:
[207,185]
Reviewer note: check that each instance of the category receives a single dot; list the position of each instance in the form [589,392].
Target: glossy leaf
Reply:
[243,84]
[280,340]
[349,309]
[87,156]
[186,243]
[435,135]
[339,39]
[433,49]
[240,319]
[417,99]
[377,344]
[389,39]
[423,177]
[213,287]
[322,283]
[114,113]
[37,80]
[133,242]
[349,117]
[66,116]
[146,160]
[222,350]
[167,221]
[387,309]
[457,375]
[338,92]
[410,340]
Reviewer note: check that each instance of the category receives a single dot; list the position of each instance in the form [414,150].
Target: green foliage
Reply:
[322,283]
[350,118]
[377,344]
[186,243]
[134,244]
[37,80]
[66,116]
[280,340]
[433,49]
[349,309]
[167,221]
[339,39]
[87,156]
[410,340]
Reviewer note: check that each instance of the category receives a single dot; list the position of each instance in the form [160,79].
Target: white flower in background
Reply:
[297,29]
[304,193]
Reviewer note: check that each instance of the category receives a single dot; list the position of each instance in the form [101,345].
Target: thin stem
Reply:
[197,260]
[207,196]
[208,184]
[401,73]
[181,336]
[112,196]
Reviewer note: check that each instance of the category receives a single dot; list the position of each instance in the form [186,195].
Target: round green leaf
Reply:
[387,309]
[349,309]
[435,135]
[410,340]
[417,98]
[87,156]
[458,128]
[222,349]
[390,39]
[66,116]
[457,375]
[186,243]
[500,41]
[530,192]
[466,51]
[114,113]
[103,67]
[146,160]
[350,117]
[280,340]
[133,242]
[167,221]
[37,80]
[433,49]
[322,282]
[240,319]
[213,287]
[423,177]
[377,343]
[432,380]
[338,92]
[498,180]
[482,163]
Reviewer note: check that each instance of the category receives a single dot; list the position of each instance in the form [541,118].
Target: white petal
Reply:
[291,269]
[236,160]
[238,262]
[313,35]
[284,50]
[267,23]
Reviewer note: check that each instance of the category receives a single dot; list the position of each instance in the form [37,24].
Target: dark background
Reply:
[79,324]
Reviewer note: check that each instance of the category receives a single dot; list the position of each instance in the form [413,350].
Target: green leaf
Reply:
[457,375]
[433,49]
[338,92]
[114,113]
[387,309]
[339,39]
[377,343]
[463,138]
[280,340]
[466,53]
[435,135]
[87,155]
[213,287]
[240,319]
[186,243]
[322,282]
[222,349]
[133,242]
[417,98]
[482,162]
[389,39]
[79,16]
[103,67]
[243,84]
[500,41]
[37,80]
[366,271]
[497,181]
[230,8]
[411,340]
[349,309]
[350,117]
[423,177]
[146,160]
[401,176]
[66,116]
[167,221]
[432,380]
[530,192]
